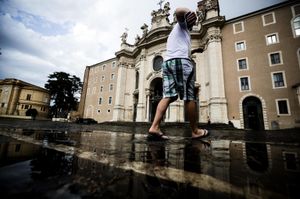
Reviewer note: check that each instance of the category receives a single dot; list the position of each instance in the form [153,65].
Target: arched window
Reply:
[296,26]
[137,77]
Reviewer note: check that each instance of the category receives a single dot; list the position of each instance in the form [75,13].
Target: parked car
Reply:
[86,121]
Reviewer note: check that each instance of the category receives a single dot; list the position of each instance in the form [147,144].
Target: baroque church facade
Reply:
[249,72]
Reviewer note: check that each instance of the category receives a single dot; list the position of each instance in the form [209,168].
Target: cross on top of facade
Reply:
[160,3]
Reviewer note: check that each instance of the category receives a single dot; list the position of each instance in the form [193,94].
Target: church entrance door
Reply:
[253,116]
[155,96]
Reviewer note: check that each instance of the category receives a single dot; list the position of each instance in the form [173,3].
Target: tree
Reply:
[63,89]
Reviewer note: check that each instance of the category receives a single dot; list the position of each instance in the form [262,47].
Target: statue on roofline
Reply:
[124,37]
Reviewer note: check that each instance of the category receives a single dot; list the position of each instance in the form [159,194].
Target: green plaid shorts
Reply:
[178,79]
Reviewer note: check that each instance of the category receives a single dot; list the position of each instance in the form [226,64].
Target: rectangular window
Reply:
[244,84]
[100,100]
[238,27]
[110,100]
[112,76]
[296,26]
[113,64]
[103,67]
[291,161]
[272,39]
[111,87]
[275,58]
[28,97]
[296,10]
[268,19]
[240,46]
[26,106]
[282,107]
[242,64]
[102,78]
[101,88]
[18,147]
[278,80]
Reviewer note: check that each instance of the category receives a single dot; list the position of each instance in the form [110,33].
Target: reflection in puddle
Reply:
[103,164]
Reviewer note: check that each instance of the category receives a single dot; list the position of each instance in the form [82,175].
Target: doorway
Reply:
[135,102]
[257,157]
[155,96]
[252,113]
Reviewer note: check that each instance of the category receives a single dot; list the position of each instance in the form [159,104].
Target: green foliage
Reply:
[63,88]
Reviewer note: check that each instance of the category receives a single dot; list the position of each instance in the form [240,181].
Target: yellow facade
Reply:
[17,97]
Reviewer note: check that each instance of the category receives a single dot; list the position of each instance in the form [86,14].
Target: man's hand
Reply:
[190,18]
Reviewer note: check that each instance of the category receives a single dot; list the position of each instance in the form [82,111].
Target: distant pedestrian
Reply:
[179,75]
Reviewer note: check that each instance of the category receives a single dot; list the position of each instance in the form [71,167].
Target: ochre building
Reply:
[249,73]
[17,97]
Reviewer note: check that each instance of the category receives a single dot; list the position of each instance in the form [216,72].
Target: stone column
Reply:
[147,104]
[118,114]
[141,106]
[14,100]
[298,94]
[217,101]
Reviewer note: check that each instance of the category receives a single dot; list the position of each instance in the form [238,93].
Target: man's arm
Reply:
[185,17]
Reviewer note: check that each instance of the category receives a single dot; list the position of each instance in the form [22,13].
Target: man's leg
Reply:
[160,112]
[191,109]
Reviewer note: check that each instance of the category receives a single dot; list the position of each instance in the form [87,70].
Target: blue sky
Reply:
[39,37]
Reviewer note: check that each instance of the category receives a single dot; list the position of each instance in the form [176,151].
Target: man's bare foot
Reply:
[154,131]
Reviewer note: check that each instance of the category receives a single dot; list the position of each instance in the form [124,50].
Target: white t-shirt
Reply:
[178,43]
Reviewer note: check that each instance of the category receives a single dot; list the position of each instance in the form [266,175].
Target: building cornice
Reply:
[154,37]
[20,83]
[262,11]
[103,62]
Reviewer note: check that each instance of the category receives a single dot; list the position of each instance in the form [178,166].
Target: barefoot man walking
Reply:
[178,75]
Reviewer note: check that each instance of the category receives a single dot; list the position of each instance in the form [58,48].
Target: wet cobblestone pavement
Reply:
[52,163]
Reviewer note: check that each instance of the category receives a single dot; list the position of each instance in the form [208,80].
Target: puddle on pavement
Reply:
[101,164]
